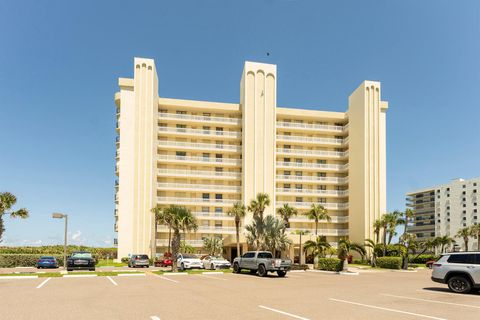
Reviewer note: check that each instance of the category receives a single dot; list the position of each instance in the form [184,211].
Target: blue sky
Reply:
[59,64]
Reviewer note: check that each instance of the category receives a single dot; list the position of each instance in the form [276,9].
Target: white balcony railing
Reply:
[193,243]
[191,186]
[199,173]
[334,219]
[213,215]
[324,232]
[310,126]
[313,153]
[316,140]
[315,192]
[200,132]
[309,165]
[199,146]
[314,179]
[196,201]
[204,229]
[189,117]
[174,158]
[307,205]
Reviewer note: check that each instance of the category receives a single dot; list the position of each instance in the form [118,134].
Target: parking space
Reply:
[302,295]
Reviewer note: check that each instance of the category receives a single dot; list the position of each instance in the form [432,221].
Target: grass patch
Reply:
[110,263]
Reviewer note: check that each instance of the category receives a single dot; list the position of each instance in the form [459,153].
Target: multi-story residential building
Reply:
[444,209]
[208,155]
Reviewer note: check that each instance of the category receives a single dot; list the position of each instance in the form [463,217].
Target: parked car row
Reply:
[80,260]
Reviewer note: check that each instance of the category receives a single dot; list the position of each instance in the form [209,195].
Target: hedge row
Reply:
[389,262]
[423,258]
[99,253]
[24,260]
[330,264]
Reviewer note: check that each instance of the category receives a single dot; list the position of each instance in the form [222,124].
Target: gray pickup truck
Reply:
[261,262]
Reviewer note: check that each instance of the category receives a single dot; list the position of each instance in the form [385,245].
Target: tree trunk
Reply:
[478,241]
[384,241]
[300,256]
[316,227]
[237,227]
[169,238]
[466,244]
[175,249]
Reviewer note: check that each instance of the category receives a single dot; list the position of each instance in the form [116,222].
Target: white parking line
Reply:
[18,277]
[131,274]
[154,318]
[387,309]
[448,293]
[165,278]
[43,283]
[432,301]
[214,278]
[112,281]
[283,312]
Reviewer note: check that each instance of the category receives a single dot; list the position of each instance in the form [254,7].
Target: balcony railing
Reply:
[314,179]
[193,243]
[315,192]
[189,117]
[199,173]
[204,229]
[200,132]
[199,146]
[324,232]
[309,165]
[196,201]
[313,153]
[334,219]
[213,215]
[190,186]
[316,140]
[310,126]
[174,158]
[306,205]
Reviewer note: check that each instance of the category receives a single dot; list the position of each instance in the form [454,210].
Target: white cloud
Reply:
[76,235]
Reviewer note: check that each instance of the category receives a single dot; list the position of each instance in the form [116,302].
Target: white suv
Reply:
[460,270]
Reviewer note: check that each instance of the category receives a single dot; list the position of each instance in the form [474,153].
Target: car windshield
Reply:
[81,255]
[218,258]
[47,258]
[142,256]
[189,256]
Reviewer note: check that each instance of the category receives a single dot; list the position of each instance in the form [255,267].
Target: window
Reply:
[264,255]
[218,196]
[298,186]
[464,186]
[286,186]
[462,258]
[298,199]
[298,173]
[321,174]
[218,210]
[181,112]
[218,156]
[287,146]
[322,187]
[298,160]
[448,189]
[218,169]
[463,192]
[287,173]
[205,114]
[322,200]
[218,224]
[206,155]
[286,159]
[321,161]
[219,130]
[180,154]
[248,255]
[181,128]
[205,196]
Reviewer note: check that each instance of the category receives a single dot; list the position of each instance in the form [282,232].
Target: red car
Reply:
[165,262]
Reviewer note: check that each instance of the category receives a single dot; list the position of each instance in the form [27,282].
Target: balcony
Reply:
[309,165]
[334,219]
[200,132]
[311,126]
[314,140]
[312,153]
[313,179]
[307,205]
[312,192]
[204,229]
[323,232]
[203,160]
[198,146]
[210,174]
[195,118]
[193,243]
[197,201]
[195,187]
[212,216]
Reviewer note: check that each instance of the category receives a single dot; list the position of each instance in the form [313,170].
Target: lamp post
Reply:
[63,216]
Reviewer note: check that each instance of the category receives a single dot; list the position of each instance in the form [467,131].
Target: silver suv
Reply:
[460,270]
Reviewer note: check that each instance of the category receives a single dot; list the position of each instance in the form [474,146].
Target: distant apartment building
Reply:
[444,209]
[208,155]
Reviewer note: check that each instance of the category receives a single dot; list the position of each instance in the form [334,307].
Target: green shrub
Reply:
[389,262]
[360,261]
[99,253]
[297,266]
[423,258]
[330,264]
[125,259]
[24,260]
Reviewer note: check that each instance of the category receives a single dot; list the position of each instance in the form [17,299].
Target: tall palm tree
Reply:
[318,246]
[163,217]
[377,226]
[275,237]
[444,242]
[181,220]
[259,204]
[375,248]
[286,212]
[345,247]
[427,245]
[7,201]
[238,212]
[255,233]
[475,229]
[318,212]
[213,246]
[407,217]
[395,219]
[301,233]
[407,240]
[465,234]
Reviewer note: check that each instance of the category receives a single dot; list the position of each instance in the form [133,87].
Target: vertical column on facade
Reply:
[367,159]
[258,101]
[145,144]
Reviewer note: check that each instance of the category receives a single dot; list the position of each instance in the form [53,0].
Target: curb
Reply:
[131,274]
[175,274]
[212,272]
[297,271]
[18,277]
[79,275]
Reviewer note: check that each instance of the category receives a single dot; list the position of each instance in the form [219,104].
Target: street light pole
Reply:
[63,216]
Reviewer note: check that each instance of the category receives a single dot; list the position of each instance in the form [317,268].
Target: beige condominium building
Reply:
[444,209]
[208,155]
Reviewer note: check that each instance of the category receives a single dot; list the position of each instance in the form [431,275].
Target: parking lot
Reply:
[300,295]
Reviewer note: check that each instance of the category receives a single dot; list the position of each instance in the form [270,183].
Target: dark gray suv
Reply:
[460,270]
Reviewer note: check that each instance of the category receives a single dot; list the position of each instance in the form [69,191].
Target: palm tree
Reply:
[374,248]
[181,219]
[213,246]
[395,219]
[186,248]
[318,246]
[465,234]
[318,212]
[377,226]
[275,237]
[408,240]
[475,229]
[255,233]
[407,216]
[7,201]
[445,241]
[345,246]
[286,212]
[163,217]
[301,233]
[259,204]
[238,212]
[426,245]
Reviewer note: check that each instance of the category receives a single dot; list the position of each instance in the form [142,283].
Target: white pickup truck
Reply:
[261,262]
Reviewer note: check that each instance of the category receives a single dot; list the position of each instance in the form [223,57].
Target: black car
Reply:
[81,260]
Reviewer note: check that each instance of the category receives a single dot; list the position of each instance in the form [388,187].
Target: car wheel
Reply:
[146,266]
[236,268]
[281,273]
[262,272]
[212,266]
[459,284]
[182,266]
[69,269]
